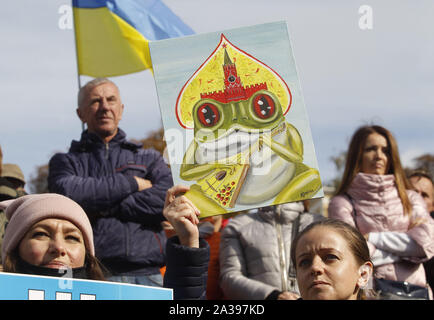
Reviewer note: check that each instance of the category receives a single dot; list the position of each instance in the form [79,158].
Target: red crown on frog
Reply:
[234,89]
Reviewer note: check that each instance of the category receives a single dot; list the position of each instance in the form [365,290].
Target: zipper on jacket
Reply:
[107,151]
[127,240]
[282,254]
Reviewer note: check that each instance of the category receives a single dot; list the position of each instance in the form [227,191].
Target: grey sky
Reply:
[348,76]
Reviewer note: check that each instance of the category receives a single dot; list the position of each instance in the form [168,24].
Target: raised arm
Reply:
[187,255]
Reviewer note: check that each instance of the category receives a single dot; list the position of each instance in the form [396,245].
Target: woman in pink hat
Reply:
[49,234]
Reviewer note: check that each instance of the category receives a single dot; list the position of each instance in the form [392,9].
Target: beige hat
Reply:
[25,211]
[10,170]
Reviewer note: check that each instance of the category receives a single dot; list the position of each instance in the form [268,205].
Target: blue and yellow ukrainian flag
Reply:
[112,36]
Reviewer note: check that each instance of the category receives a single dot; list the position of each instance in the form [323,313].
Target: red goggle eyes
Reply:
[208,115]
[263,106]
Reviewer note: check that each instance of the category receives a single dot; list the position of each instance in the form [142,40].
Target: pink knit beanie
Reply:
[25,211]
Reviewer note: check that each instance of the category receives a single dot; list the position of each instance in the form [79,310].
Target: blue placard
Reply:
[28,287]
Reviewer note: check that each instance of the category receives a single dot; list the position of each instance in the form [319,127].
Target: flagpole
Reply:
[76,54]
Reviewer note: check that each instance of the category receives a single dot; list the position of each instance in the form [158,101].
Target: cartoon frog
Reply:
[244,151]
[252,134]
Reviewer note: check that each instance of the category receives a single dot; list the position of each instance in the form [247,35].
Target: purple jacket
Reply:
[126,223]
[379,209]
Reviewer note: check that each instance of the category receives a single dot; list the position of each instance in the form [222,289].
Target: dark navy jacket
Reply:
[126,223]
[187,269]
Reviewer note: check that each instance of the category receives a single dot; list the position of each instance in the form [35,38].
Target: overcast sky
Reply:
[349,76]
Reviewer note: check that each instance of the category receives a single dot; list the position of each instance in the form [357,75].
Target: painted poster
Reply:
[236,126]
[29,287]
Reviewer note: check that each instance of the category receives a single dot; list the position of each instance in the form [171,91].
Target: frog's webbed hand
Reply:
[293,151]
[191,170]
[197,171]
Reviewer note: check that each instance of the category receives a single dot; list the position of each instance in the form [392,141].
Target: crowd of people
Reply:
[113,214]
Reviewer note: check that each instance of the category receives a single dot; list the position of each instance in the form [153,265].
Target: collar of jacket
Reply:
[90,141]
[286,213]
[27,268]
[372,186]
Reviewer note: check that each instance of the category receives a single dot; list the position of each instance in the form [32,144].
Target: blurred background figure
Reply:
[376,197]
[255,252]
[13,173]
[423,183]
[11,187]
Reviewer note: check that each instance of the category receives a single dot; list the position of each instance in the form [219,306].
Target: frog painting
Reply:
[245,153]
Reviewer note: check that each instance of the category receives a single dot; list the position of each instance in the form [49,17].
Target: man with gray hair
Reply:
[120,185]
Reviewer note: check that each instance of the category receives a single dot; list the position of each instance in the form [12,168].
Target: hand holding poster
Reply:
[232,106]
